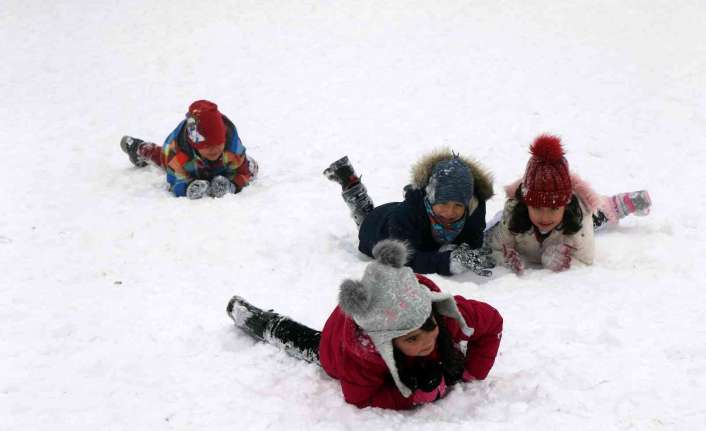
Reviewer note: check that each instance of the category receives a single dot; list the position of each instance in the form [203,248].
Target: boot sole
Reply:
[330,172]
[125,147]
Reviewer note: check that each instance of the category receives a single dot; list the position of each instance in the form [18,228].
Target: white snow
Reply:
[113,292]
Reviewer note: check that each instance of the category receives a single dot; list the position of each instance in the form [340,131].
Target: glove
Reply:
[513,260]
[220,186]
[557,257]
[197,189]
[477,261]
[421,397]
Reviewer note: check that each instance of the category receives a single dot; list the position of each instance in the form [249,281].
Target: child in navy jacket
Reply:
[442,216]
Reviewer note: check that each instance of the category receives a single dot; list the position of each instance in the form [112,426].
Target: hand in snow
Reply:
[421,397]
[478,260]
[557,257]
[220,186]
[197,189]
[513,260]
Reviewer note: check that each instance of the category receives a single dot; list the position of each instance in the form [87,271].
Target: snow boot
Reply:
[600,221]
[251,319]
[342,172]
[637,203]
[358,201]
[613,208]
[294,338]
[130,146]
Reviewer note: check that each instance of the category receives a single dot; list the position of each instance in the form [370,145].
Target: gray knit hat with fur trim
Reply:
[389,302]
[450,180]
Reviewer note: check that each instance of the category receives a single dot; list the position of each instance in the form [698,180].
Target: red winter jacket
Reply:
[348,354]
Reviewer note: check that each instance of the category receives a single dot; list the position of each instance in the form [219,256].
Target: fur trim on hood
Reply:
[580,188]
[421,171]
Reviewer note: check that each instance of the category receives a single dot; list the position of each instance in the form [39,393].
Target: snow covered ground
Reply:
[113,293]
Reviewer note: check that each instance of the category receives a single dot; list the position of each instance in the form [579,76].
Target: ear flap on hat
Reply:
[445,304]
[354,298]
[386,352]
[391,252]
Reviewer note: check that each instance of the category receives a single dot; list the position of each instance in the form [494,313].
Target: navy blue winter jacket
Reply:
[409,221]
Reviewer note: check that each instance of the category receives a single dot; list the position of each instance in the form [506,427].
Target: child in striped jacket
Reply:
[203,156]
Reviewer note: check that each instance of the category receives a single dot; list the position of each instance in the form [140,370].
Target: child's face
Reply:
[448,212]
[417,342]
[546,218]
[212,153]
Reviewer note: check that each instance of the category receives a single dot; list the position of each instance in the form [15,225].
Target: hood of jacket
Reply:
[421,171]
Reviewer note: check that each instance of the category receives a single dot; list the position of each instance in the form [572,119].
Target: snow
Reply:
[113,292]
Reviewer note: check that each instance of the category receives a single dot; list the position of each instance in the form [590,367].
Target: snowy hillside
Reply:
[113,293]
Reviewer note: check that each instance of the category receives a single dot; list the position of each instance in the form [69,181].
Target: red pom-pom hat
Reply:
[204,125]
[547,182]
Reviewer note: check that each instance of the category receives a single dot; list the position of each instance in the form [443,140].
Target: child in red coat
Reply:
[395,339]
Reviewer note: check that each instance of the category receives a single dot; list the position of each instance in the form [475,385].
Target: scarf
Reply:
[443,233]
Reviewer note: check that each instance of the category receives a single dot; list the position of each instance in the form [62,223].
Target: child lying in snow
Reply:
[393,341]
[203,156]
[551,214]
[442,216]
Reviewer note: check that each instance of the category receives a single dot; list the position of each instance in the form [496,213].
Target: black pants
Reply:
[294,338]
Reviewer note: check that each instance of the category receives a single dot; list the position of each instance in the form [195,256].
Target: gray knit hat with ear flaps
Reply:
[389,302]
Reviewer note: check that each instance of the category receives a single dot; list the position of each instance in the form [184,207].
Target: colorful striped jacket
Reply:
[183,164]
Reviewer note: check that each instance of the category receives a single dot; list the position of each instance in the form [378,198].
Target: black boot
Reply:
[358,201]
[600,221]
[342,172]
[249,318]
[294,338]
[129,146]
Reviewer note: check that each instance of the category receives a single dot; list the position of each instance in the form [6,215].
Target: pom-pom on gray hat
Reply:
[389,302]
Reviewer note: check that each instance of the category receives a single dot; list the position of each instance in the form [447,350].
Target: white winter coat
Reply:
[528,243]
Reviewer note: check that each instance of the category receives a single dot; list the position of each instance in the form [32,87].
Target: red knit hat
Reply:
[204,125]
[547,182]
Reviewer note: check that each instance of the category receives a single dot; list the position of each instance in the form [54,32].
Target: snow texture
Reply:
[113,292]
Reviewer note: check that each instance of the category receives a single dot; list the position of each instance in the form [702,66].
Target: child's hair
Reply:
[452,360]
[520,221]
